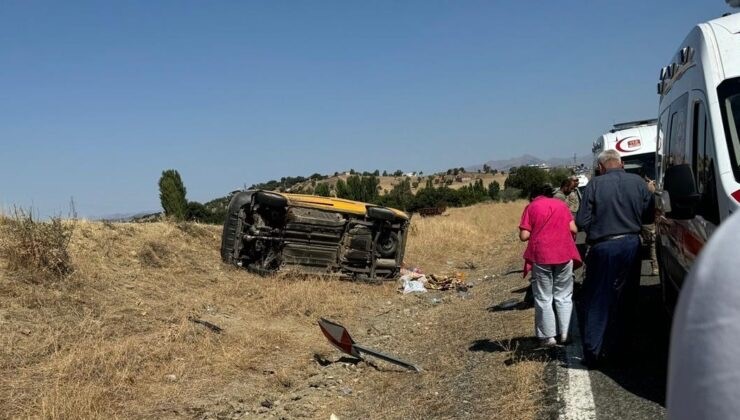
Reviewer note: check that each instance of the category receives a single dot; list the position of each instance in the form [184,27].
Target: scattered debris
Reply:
[413,280]
[414,286]
[213,327]
[385,312]
[468,265]
[456,281]
[339,337]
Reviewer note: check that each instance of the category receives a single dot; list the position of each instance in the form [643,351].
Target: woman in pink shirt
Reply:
[551,254]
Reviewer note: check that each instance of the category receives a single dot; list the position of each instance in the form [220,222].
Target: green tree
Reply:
[322,189]
[494,190]
[400,196]
[361,188]
[172,195]
[510,194]
[558,175]
[341,189]
[527,179]
[198,212]
[385,173]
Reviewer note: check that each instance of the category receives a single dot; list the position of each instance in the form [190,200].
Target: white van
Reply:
[635,142]
[698,155]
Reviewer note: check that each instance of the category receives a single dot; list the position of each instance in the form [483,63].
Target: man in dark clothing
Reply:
[613,209]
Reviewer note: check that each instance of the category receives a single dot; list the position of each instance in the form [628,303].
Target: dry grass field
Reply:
[112,338]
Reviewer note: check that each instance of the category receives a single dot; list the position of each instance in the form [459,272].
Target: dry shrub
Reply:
[193,229]
[154,254]
[35,247]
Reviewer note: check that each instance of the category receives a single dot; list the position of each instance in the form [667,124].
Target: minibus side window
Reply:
[709,207]
[703,165]
[729,104]
[662,145]
[676,147]
[699,155]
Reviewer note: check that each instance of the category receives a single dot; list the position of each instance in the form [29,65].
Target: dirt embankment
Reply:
[114,337]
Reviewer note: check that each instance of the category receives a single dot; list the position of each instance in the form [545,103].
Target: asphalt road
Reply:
[636,388]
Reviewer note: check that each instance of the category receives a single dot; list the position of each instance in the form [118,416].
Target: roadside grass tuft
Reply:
[154,254]
[37,249]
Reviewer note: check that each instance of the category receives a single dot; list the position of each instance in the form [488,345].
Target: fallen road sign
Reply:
[339,337]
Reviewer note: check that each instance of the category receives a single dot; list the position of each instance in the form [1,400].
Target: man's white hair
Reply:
[609,155]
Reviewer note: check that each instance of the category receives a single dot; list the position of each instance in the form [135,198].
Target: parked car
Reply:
[267,231]
[698,153]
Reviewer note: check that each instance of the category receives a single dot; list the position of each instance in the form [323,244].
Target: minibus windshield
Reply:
[643,164]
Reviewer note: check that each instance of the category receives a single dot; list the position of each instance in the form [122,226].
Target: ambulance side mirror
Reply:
[683,197]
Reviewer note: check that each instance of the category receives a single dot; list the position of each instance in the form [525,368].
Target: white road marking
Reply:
[574,387]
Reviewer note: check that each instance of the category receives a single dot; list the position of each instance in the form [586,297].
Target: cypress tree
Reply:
[172,195]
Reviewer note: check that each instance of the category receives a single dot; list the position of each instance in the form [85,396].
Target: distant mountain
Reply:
[525,160]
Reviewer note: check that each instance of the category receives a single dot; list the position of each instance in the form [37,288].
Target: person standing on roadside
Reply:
[564,191]
[614,207]
[573,200]
[548,228]
[647,234]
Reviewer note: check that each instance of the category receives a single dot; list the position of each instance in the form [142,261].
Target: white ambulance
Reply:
[698,155]
[635,141]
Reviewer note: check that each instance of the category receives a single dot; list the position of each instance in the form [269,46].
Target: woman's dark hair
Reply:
[544,189]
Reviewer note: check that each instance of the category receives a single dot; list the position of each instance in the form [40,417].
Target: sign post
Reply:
[339,337]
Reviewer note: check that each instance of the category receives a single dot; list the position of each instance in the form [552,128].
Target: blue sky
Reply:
[97,98]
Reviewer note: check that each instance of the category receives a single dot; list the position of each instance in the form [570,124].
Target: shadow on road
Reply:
[520,348]
[642,370]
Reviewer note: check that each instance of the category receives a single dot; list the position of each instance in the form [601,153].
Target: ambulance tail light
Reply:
[736,196]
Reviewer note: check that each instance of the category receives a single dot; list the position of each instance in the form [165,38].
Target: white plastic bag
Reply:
[413,285]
